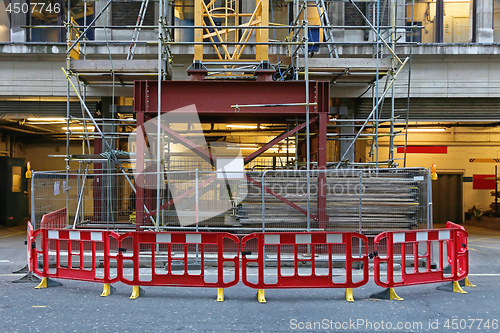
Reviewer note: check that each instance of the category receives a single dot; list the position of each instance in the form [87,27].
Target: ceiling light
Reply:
[420,130]
[242,126]
[55,119]
[79,128]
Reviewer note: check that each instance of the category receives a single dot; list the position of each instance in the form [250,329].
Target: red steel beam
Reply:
[276,195]
[183,195]
[321,156]
[203,153]
[277,139]
[216,97]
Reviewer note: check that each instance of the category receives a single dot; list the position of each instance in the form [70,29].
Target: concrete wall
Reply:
[39,76]
[450,76]
[38,155]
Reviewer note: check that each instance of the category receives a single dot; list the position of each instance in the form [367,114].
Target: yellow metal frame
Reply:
[230,15]
[74,33]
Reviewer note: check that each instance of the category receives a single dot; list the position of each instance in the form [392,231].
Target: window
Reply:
[4,22]
[443,21]
[16,179]
[496,21]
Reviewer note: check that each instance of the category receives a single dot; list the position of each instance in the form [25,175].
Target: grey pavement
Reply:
[77,306]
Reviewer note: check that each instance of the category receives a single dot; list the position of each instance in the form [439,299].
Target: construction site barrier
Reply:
[313,248]
[54,220]
[180,259]
[417,242]
[174,259]
[461,249]
[29,245]
[269,260]
[72,245]
[462,258]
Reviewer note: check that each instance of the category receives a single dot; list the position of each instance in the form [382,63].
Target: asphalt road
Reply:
[77,306]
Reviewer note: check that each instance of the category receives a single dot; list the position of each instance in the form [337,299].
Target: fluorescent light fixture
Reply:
[423,130]
[55,119]
[79,128]
[241,126]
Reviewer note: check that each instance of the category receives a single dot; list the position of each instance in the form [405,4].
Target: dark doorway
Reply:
[13,190]
[447,198]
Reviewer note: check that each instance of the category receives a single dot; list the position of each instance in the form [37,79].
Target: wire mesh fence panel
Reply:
[363,200]
[375,200]
[100,199]
[368,201]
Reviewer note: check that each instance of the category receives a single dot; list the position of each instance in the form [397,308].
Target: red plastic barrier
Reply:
[404,239]
[74,244]
[318,247]
[29,246]
[461,248]
[54,220]
[181,249]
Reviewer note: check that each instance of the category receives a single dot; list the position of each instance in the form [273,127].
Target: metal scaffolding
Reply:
[241,41]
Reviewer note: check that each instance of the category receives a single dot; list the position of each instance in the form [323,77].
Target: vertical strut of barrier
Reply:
[29,246]
[44,252]
[462,248]
[456,255]
[312,242]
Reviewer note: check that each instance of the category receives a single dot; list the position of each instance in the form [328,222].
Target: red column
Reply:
[321,155]
[139,184]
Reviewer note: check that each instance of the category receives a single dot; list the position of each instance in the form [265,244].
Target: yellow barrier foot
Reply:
[348,295]
[48,283]
[468,283]
[389,294]
[136,292]
[393,296]
[43,284]
[261,296]
[107,290]
[220,294]
[457,288]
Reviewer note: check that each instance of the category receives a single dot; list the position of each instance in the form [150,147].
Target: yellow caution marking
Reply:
[487,247]
[482,239]
[13,234]
[39,306]
[484,160]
